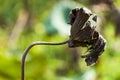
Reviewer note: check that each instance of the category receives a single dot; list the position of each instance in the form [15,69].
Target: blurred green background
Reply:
[25,21]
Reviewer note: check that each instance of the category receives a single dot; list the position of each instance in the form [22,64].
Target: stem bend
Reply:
[29,47]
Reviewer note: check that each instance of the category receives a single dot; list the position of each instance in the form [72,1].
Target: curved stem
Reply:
[29,47]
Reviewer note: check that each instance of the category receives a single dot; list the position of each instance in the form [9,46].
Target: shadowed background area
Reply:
[25,21]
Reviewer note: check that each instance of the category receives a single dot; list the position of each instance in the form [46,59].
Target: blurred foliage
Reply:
[25,21]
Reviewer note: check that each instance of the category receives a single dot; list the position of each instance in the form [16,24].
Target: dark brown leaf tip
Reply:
[95,18]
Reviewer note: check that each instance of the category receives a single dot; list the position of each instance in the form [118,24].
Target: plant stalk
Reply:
[29,47]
